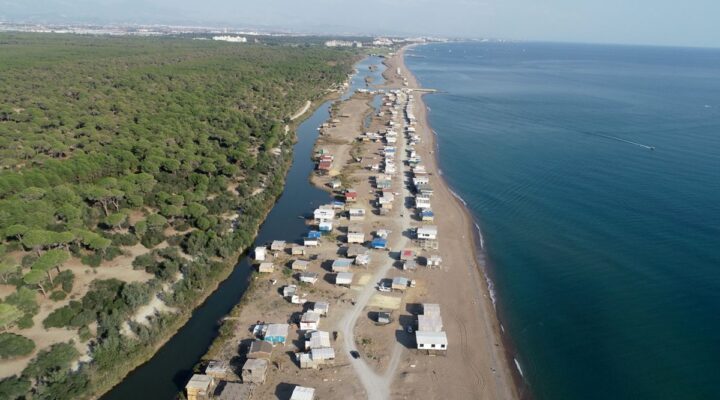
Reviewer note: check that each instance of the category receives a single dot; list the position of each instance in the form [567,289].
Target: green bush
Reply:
[112,252]
[65,279]
[93,260]
[13,388]
[84,333]
[12,345]
[152,238]
[58,295]
[143,261]
[25,322]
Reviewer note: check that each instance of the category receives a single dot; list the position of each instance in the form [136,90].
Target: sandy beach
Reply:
[386,363]
[464,290]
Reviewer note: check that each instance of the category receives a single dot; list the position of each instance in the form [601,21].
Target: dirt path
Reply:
[301,111]
[377,386]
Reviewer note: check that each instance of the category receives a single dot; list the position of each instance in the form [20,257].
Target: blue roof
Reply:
[314,235]
[378,243]
[338,203]
[427,213]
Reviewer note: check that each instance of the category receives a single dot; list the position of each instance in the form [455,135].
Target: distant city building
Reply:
[234,39]
[343,43]
[381,41]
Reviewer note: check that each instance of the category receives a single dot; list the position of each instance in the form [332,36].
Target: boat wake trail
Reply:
[621,140]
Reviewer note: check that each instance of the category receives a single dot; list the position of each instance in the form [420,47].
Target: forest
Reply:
[132,170]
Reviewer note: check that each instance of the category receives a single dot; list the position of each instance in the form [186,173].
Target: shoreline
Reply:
[482,265]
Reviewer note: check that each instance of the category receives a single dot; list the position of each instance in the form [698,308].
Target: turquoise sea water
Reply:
[605,255]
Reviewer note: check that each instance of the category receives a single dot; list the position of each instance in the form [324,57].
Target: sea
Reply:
[594,174]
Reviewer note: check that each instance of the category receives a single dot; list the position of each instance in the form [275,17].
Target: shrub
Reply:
[152,238]
[84,333]
[12,345]
[124,239]
[58,295]
[65,279]
[94,260]
[112,252]
[143,261]
[25,322]
[13,387]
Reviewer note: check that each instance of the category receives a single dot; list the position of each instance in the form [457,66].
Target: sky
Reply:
[656,22]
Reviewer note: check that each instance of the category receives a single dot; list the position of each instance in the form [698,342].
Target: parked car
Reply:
[355,354]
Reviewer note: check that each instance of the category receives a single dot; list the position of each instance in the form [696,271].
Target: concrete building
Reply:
[200,387]
[255,370]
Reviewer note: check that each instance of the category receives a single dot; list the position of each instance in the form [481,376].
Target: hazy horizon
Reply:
[656,22]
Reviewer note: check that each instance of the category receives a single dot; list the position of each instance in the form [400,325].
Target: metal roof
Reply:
[302,393]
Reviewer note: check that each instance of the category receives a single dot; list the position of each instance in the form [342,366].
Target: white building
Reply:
[431,340]
[428,232]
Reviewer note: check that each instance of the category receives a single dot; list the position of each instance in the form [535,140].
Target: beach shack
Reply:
[303,393]
[318,340]
[289,291]
[355,235]
[218,370]
[309,321]
[312,239]
[379,243]
[277,246]
[383,182]
[300,265]
[260,253]
[260,349]
[199,387]
[409,265]
[351,195]
[341,265]
[254,370]
[276,333]
[407,254]
[434,261]
[298,250]
[356,250]
[356,214]
[424,189]
[427,216]
[325,226]
[432,341]
[422,202]
[427,232]
[362,260]
[321,307]
[401,283]
[232,391]
[344,278]
[309,277]
[335,184]
[323,213]
[266,268]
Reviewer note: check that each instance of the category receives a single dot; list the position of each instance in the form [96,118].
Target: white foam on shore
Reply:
[480,235]
[491,289]
[517,365]
[457,196]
